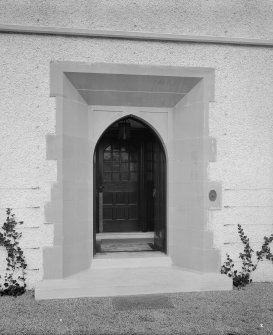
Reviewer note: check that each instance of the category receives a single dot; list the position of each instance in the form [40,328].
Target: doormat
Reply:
[125,245]
[140,302]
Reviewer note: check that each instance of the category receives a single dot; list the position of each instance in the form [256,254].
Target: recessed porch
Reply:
[174,103]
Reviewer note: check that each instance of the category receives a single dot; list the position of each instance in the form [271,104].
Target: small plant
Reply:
[14,280]
[242,278]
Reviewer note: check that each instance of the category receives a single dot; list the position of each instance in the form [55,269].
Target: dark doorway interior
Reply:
[130,188]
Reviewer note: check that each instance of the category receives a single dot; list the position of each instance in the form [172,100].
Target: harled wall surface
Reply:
[241,117]
[233,18]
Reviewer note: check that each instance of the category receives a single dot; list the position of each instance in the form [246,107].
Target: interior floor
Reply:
[125,242]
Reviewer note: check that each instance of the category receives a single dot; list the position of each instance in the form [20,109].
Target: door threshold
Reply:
[126,235]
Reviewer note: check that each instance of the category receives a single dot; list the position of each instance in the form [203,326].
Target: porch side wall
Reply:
[69,206]
[191,243]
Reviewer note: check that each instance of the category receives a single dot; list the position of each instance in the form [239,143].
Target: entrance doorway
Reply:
[129,189]
[173,100]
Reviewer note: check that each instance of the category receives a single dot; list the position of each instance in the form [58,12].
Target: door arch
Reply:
[130,181]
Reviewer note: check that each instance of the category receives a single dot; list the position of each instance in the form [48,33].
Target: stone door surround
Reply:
[183,128]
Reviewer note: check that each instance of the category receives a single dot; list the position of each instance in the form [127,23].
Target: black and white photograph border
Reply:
[136,189]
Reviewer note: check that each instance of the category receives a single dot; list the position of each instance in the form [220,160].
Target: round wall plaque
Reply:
[212,195]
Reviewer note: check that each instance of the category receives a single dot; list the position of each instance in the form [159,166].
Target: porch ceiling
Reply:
[131,90]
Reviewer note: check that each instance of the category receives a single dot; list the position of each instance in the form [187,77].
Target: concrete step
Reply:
[130,260]
[130,281]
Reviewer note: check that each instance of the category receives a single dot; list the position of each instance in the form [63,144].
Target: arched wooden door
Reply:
[130,184]
[118,186]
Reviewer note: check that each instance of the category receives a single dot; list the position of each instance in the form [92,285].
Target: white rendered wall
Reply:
[241,120]
[233,18]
